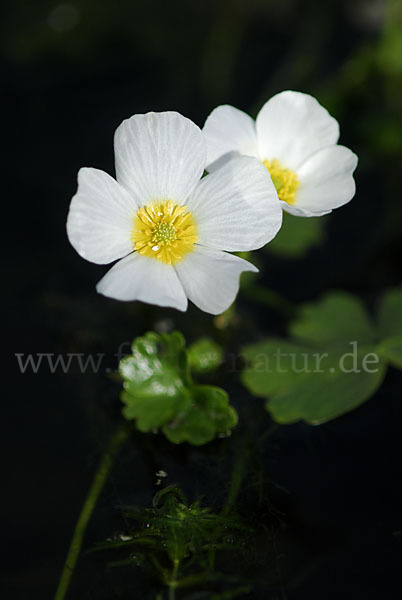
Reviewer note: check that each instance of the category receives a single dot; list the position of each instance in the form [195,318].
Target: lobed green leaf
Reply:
[338,318]
[159,392]
[390,314]
[332,363]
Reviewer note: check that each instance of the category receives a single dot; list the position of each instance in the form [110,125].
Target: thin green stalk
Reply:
[269,298]
[269,431]
[238,471]
[236,480]
[99,480]
[173,580]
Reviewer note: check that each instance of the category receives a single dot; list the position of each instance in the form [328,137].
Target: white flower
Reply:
[169,227]
[296,139]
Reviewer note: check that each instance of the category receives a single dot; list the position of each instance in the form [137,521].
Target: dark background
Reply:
[70,73]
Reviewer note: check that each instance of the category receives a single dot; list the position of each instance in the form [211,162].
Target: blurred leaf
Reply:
[266,360]
[338,318]
[297,236]
[312,386]
[209,416]
[390,314]
[204,356]
[391,349]
[390,326]
[159,391]
[332,364]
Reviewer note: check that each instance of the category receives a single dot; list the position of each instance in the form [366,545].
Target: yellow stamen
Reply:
[165,231]
[285,181]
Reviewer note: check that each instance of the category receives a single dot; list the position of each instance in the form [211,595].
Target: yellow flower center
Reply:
[285,181]
[165,231]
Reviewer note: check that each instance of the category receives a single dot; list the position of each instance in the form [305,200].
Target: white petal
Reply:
[159,156]
[237,207]
[210,278]
[291,126]
[228,132]
[300,212]
[137,277]
[100,220]
[326,180]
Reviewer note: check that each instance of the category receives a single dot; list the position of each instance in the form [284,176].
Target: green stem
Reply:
[238,471]
[99,480]
[269,431]
[236,480]
[173,580]
[270,299]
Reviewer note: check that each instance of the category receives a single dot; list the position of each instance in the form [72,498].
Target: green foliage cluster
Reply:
[160,393]
[335,359]
[178,542]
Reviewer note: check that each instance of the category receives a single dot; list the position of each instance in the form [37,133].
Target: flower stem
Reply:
[270,299]
[99,480]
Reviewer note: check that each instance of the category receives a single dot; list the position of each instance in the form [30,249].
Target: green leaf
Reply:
[301,383]
[204,356]
[297,235]
[330,365]
[153,411]
[155,378]
[208,416]
[337,318]
[325,396]
[157,361]
[391,349]
[390,314]
[160,394]
[267,360]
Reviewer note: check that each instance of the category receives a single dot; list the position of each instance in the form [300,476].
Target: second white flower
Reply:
[296,139]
